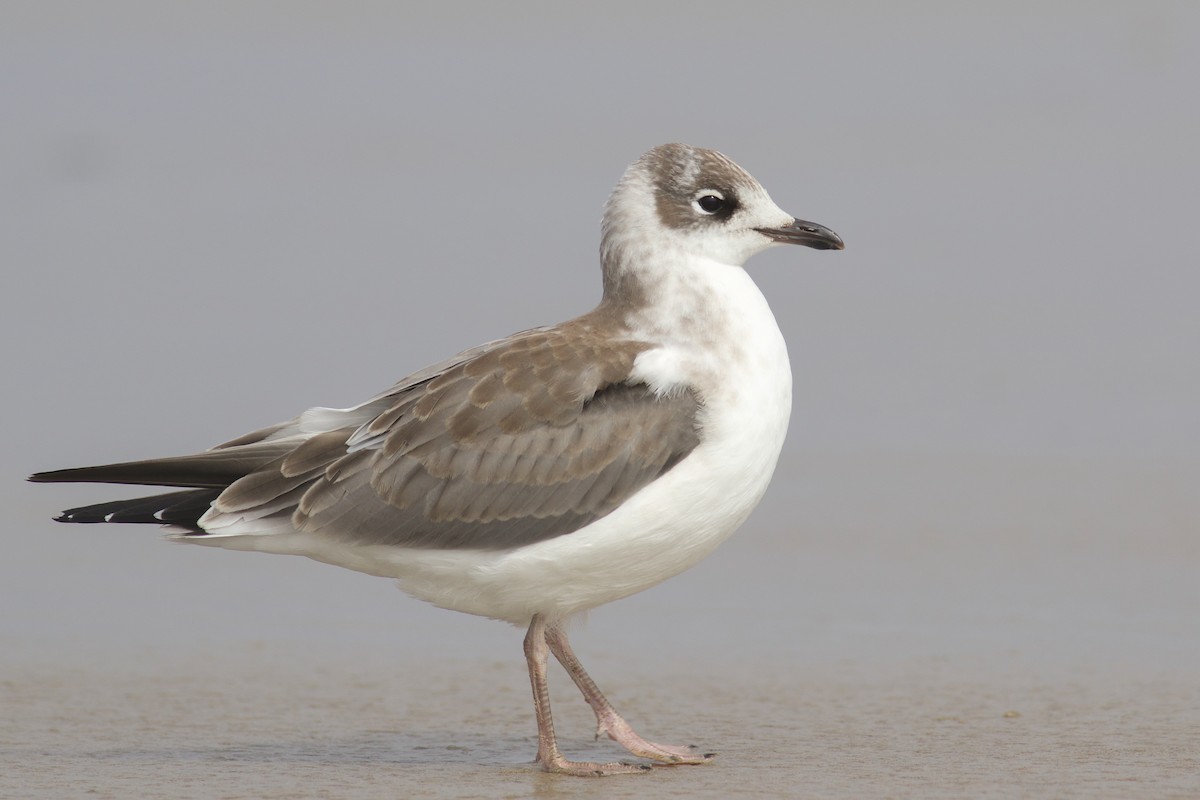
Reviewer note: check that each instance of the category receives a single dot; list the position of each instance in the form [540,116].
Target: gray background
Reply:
[976,570]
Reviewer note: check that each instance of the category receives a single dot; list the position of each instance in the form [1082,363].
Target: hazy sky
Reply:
[216,216]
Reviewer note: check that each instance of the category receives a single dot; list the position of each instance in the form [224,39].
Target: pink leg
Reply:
[607,719]
[548,755]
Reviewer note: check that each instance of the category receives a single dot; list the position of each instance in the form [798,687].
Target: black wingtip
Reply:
[183,509]
[71,475]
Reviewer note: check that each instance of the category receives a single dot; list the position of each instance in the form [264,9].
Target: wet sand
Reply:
[268,722]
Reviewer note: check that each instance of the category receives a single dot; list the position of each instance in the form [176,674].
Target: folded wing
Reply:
[512,443]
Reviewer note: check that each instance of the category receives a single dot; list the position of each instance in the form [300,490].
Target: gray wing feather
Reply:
[512,443]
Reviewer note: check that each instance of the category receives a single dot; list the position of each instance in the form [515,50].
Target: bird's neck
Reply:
[665,294]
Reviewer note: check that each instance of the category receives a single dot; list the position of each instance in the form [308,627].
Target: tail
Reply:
[203,475]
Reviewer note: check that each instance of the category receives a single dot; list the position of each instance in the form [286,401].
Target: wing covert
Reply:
[531,439]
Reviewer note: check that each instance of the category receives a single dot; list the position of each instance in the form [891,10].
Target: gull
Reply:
[538,476]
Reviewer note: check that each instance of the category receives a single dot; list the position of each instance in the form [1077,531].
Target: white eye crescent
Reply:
[709,202]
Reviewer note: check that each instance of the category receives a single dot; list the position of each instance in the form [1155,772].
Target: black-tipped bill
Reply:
[809,234]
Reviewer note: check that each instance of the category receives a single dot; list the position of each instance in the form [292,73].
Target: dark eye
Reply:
[710,203]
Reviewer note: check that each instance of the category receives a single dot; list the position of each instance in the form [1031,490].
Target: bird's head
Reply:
[698,203]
